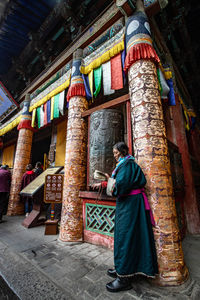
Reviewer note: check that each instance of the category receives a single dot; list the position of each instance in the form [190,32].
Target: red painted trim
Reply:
[94,196]
[111,103]
[129,127]
[9,94]
[101,202]
[94,237]
[98,239]
[88,153]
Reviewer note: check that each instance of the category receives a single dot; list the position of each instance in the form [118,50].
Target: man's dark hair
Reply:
[38,164]
[29,167]
[122,148]
[4,167]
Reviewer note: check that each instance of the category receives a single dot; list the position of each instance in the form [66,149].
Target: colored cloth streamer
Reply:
[116,72]
[90,77]
[45,114]
[97,80]
[33,118]
[38,116]
[61,102]
[41,116]
[52,107]
[87,87]
[123,57]
[171,95]
[56,106]
[164,86]
[49,111]
[107,79]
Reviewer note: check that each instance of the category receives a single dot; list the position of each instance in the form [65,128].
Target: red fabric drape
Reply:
[116,72]
[138,52]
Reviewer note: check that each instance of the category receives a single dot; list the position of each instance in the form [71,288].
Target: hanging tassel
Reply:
[138,52]
[77,89]
[25,123]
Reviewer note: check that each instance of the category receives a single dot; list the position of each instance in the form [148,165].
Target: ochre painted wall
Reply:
[61,143]
[8,155]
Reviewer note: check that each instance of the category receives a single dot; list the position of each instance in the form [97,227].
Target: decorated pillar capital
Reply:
[151,7]
[77,87]
[26,115]
[126,7]
[138,39]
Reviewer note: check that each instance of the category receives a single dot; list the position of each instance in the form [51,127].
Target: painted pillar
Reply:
[22,158]
[75,157]
[150,147]
[190,199]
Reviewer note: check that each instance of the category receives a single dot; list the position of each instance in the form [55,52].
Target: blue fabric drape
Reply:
[87,87]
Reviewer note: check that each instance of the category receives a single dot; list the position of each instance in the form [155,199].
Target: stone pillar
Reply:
[22,158]
[75,158]
[150,147]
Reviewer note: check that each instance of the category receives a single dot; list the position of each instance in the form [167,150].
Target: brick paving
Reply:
[42,267]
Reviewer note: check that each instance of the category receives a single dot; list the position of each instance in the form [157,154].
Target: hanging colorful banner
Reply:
[104,53]
[61,102]
[97,80]
[87,87]
[56,107]
[107,79]
[116,73]
[50,92]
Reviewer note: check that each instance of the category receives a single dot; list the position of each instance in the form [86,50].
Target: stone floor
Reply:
[39,267]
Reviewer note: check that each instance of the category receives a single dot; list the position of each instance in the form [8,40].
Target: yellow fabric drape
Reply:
[61,143]
[90,78]
[103,58]
[58,90]
[52,107]
[10,126]
[33,118]
[8,156]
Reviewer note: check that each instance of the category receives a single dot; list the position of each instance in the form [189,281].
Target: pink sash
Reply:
[146,202]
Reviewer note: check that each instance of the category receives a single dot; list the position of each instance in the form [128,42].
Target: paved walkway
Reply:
[39,267]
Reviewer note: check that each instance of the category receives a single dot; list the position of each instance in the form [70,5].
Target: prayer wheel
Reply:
[106,129]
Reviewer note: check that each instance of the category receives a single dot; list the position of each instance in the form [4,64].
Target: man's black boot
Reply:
[119,284]
[112,273]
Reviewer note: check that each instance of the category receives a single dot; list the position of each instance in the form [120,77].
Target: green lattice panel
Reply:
[100,218]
